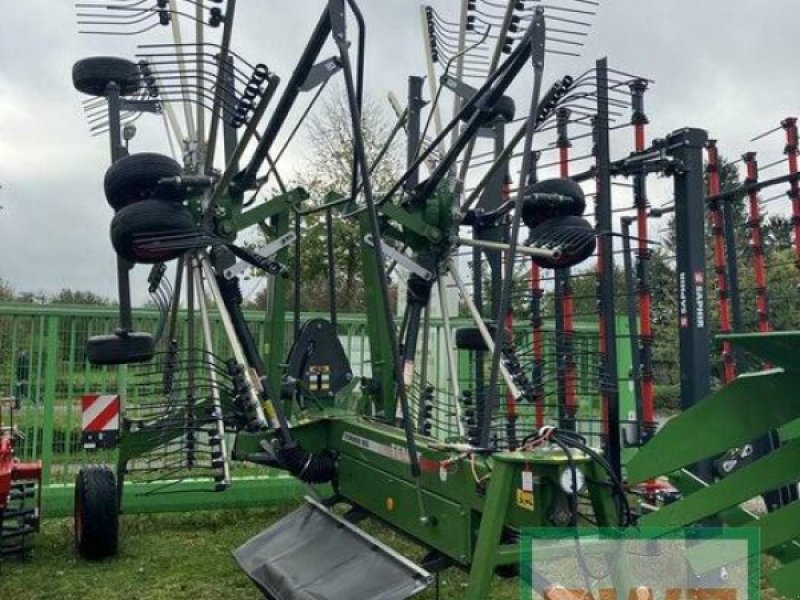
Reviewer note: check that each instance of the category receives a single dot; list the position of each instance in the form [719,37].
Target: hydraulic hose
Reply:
[307,467]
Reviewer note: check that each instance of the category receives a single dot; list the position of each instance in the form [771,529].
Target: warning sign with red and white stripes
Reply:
[100,420]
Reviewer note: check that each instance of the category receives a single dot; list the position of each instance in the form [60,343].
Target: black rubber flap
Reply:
[312,554]
[318,359]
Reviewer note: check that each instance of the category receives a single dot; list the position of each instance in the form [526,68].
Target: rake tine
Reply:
[137,32]
[766,133]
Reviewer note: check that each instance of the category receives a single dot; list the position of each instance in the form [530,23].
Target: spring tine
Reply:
[238,57]
[99,4]
[239,75]
[766,133]
[562,52]
[114,20]
[105,130]
[630,75]
[771,165]
[102,123]
[103,118]
[565,42]
[99,32]
[163,16]
[173,93]
[568,32]
[549,7]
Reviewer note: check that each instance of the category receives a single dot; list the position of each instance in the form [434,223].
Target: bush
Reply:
[667,397]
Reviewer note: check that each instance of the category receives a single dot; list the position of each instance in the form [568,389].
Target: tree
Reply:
[31,298]
[328,168]
[777,233]
[6,291]
[329,135]
[78,297]
[64,296]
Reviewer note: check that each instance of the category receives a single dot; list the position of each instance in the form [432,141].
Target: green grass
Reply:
[171,557]
[177,556]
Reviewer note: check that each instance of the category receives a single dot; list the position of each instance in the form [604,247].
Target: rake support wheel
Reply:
[135,226]
[120,348]
[573,236]
[135,178]
[470,338]
[96,513]
[540,203]
[92,75]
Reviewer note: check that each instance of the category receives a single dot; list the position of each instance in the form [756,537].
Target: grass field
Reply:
[188,555]
[171,557]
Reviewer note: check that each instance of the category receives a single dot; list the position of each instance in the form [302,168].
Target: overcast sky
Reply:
[729,66]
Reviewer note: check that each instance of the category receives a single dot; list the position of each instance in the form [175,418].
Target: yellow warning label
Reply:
[525,500]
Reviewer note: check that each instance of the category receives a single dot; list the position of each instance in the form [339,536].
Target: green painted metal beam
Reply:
[737,414]
[775,529]
[143,498]
[778,527]
[275,206]
[780,348]
[50,379]
[774,470]
[687,483]
[786,580]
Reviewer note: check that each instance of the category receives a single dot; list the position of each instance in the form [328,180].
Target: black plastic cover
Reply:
[318,359]
[312,554]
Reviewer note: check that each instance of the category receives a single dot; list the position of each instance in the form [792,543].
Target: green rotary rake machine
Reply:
[461,467]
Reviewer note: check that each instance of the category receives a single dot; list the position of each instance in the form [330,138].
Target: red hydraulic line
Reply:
[601,328]
[756,244]
[792,145]
[570,386]
[640,121]
[563,159]
[538,343]
[716,220]
[569,335]
[537,293]
[639,132]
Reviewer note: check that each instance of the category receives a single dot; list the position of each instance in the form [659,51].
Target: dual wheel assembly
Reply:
[144,208]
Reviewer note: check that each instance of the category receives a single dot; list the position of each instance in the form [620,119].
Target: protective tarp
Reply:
[312,554]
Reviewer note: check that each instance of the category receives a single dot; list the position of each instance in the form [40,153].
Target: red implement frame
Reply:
[640,122]
[538,343]
[13,471]
[792,149]
[717,227]
[568,326]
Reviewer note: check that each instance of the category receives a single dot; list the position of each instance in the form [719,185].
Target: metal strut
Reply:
[336,20]
[537,32]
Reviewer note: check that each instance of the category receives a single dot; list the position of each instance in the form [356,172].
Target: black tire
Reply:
[470,338]
[575,236]
[92,75]
[149,219]
[511,570]
[135,178]
[503,109]
[96,513]
[120,349]
[536,211]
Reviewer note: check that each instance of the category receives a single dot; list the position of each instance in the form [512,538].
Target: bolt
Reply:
[428,521]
